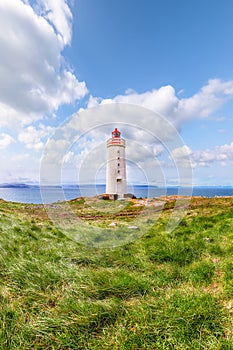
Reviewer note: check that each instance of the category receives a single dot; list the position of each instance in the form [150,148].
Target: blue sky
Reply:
[145,45]
[172,57]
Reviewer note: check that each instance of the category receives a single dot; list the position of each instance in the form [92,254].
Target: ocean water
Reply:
[33,194]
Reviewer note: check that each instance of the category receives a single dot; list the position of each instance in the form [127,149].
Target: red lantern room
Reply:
[116,133]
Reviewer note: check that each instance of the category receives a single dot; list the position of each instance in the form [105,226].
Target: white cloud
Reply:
[5,140]
[34,78]
[224,152]
[163,100]
[80,144]
[142,154]
[182,152]
[33,137]
[151,131]
[59,15]
[208,100]
[184,156]
[178,110]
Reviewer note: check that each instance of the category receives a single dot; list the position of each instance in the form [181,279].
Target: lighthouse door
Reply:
[119,185]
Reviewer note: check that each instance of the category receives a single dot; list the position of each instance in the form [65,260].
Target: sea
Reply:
[24,193]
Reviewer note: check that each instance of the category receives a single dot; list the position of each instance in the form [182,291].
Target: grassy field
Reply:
[161,291]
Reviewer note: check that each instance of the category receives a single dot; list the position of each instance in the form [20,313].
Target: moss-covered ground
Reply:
[164,290]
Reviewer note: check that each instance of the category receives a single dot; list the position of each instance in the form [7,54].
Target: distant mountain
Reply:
[14,185]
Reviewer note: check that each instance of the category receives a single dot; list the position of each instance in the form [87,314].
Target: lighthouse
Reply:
[116,166]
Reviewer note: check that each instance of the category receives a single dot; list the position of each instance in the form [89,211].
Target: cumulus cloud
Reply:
[202,158]
[224,152]
[36,81]
[34,78]
[151,120]
[209,99]
[79,145]
[144,153]
[5,140]
[33,138]
[59,15]
[151,127]
[166,101]
[163,100]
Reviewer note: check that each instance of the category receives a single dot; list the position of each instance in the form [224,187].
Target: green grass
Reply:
[161,291]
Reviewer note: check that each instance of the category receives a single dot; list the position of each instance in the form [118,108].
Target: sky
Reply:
[160,70]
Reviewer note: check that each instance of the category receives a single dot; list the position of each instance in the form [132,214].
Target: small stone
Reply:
[133,227]
[113,224]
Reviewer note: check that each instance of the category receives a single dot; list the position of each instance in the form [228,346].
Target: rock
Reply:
[104,196]
[133,227]
[113,224]
[129,195]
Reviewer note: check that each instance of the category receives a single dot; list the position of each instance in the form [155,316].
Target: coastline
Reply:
[49,194]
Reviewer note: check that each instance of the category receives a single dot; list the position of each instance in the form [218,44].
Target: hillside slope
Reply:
[161,291]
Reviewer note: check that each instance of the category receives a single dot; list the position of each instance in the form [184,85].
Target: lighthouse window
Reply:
[118,164]
[118,171]
[118,158]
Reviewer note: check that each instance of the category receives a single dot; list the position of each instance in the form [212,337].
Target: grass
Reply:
[164,290]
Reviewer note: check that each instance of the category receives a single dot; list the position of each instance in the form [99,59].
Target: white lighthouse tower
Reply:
[116,166]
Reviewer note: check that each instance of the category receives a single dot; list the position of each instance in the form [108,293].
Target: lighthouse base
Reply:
[116,196]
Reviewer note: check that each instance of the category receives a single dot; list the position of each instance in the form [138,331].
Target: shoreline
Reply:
[166,198]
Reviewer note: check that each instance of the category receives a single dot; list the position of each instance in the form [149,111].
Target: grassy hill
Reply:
[161,291]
